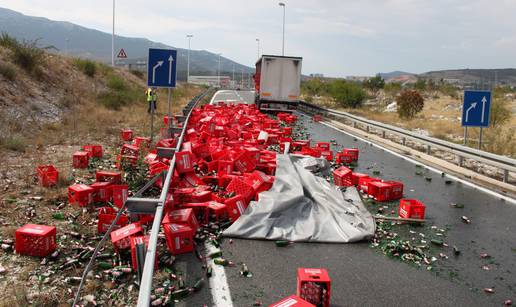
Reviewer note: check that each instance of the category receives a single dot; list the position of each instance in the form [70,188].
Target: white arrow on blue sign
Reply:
[161,67]
[476,109]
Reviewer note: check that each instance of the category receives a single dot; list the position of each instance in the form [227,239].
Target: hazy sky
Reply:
[335,37]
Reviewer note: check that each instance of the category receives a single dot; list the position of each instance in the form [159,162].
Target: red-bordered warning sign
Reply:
[122,54]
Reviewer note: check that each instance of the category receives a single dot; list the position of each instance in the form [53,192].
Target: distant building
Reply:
[316,75]
[210,80]
[357,78]
[132,64]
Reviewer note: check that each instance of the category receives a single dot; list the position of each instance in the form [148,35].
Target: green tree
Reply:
[420,84]
[410,103]
[347,94]
[392,88]
[374,84]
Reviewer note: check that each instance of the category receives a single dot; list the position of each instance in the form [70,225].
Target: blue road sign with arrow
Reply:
[161,67]
[476,108]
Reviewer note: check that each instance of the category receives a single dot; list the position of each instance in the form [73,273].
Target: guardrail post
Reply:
[460,160]
[403,141]
[428,149]
[367,128]
[383,134]
[505,175]
[354,124]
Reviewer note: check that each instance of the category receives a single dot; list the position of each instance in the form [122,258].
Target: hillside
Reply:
[49,107]
[502,76]
[94,44]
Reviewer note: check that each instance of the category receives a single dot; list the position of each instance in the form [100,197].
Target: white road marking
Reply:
[218,282]
[471,184]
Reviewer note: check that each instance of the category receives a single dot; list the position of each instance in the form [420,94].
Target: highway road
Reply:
[233,96]
[362,275]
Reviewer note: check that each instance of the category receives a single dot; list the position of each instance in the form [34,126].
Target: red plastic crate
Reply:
[200,210]
[80,194]
[200,196]
[292,301]
[327,154]
[353,152]
[106,216]
[121,238]
[126,134]
[141,142]
[235,206]
[120,192]
[217,211]
[225,167]
[356,177]
[102,191]
[157,168]
[244,163]
[105,176]
[343,158]
[363,183]
[411,208]
[287,131]
[137,241]
[183,195]
[314,286]
[47,175]
[240,188]
[94,151]
[323,145]
[184,162]
[343,177]
[184,216]
[317,118]
[80,159]
[129,150]
[385,190]
[35,240]
[179,238]
[190,179]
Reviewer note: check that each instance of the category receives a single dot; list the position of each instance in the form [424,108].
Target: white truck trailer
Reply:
[277,82]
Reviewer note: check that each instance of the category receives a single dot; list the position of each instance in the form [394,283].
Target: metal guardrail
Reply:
[462,152]
[148,269]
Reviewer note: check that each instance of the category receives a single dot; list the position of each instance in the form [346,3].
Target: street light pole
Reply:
[113,38]
[218,70]
[189,36]
[283,44]
[258,43]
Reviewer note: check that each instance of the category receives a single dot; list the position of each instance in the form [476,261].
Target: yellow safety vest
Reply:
[149,94]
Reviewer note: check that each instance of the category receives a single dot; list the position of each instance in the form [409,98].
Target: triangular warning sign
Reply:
[121,54]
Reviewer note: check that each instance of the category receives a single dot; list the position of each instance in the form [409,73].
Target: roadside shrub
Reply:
[374,84]
[119,93]
[14,143]
[410,103]
[347,94]
[88,67]
[8,71]
[26,54]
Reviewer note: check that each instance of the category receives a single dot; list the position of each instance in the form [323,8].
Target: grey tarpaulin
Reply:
[303,207]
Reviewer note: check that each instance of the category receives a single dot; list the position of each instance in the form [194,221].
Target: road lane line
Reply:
[471,184]
[218,281]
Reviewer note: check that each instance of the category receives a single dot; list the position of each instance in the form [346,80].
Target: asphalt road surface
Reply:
[233,96]
[363,276]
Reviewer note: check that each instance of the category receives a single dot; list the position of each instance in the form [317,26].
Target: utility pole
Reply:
[189,36]
[113,38]
[283,44]
[258,51]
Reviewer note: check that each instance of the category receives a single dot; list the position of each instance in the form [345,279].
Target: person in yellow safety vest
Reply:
[151,99]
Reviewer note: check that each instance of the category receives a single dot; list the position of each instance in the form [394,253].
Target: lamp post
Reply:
[283,44]
[113,38]
[218,70]
[258,47]
[189,36]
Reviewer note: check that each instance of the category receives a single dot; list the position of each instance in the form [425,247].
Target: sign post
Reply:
[475,112]
[161,72]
